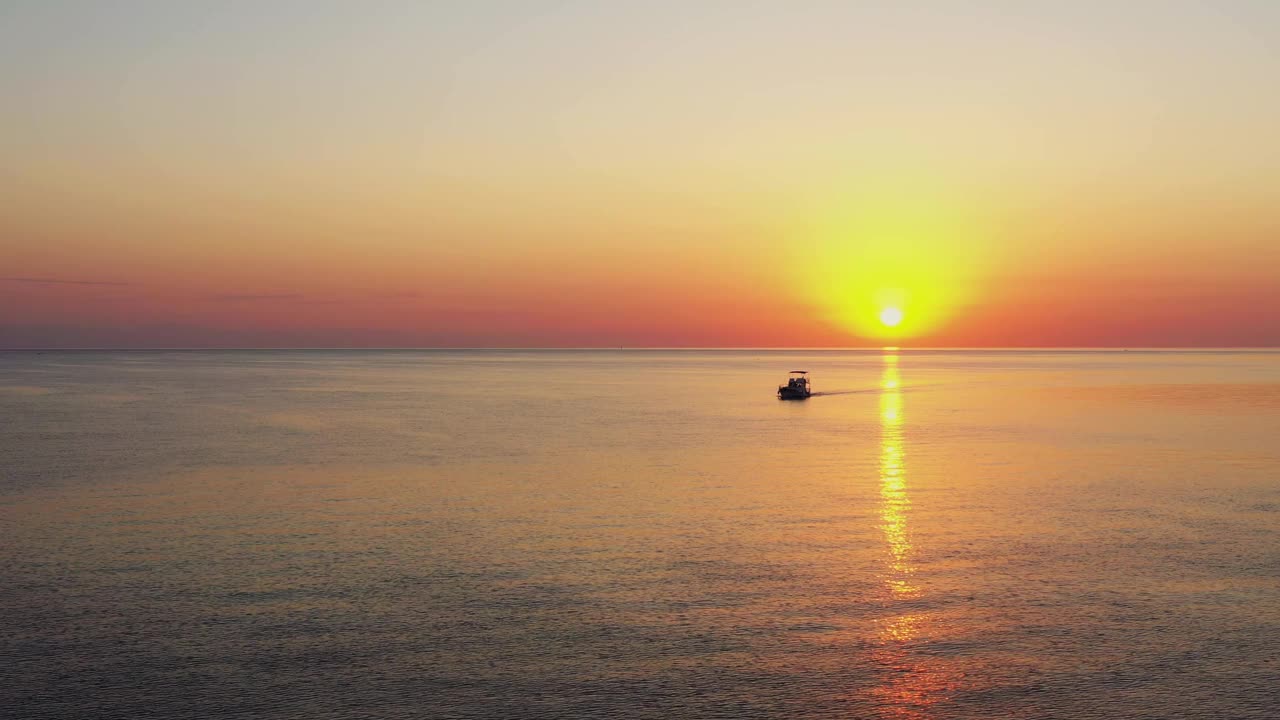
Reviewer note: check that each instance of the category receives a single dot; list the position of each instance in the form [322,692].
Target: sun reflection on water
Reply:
[915,683]
[894,502]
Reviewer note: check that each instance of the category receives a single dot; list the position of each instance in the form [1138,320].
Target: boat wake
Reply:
[871,390]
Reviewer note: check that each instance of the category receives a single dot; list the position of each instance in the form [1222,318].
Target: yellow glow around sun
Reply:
[894,263]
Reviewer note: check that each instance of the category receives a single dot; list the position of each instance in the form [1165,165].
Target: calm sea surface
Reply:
[639,534]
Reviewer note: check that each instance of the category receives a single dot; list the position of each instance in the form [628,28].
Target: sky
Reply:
[596,174]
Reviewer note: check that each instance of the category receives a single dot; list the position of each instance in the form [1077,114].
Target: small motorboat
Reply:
[797,387]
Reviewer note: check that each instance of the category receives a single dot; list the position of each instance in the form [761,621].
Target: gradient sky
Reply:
[183,174]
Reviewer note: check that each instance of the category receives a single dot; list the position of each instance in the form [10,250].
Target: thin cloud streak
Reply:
[258,298]
[60,281]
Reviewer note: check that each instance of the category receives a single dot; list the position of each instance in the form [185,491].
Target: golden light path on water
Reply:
[894,502]
[916,683]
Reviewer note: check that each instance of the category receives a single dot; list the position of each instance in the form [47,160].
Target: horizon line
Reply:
[661,348]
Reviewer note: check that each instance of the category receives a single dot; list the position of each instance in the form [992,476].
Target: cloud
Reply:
[257,298]
[59,281]
[311,299]
[395,296]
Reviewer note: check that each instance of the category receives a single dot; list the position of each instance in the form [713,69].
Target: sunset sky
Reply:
[552,174]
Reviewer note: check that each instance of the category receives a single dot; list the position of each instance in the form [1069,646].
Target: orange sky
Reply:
[736,174]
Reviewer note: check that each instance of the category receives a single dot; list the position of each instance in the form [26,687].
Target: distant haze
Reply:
[303,174]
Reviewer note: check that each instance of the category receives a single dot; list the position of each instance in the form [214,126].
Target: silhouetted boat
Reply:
[797,387]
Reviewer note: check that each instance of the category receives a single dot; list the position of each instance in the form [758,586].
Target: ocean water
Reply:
[639,534]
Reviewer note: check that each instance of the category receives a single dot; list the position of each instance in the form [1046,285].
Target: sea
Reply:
[627,533]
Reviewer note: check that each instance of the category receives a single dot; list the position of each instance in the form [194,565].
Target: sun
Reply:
[891,317]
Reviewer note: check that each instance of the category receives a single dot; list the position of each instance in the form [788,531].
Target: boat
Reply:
[797,387]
